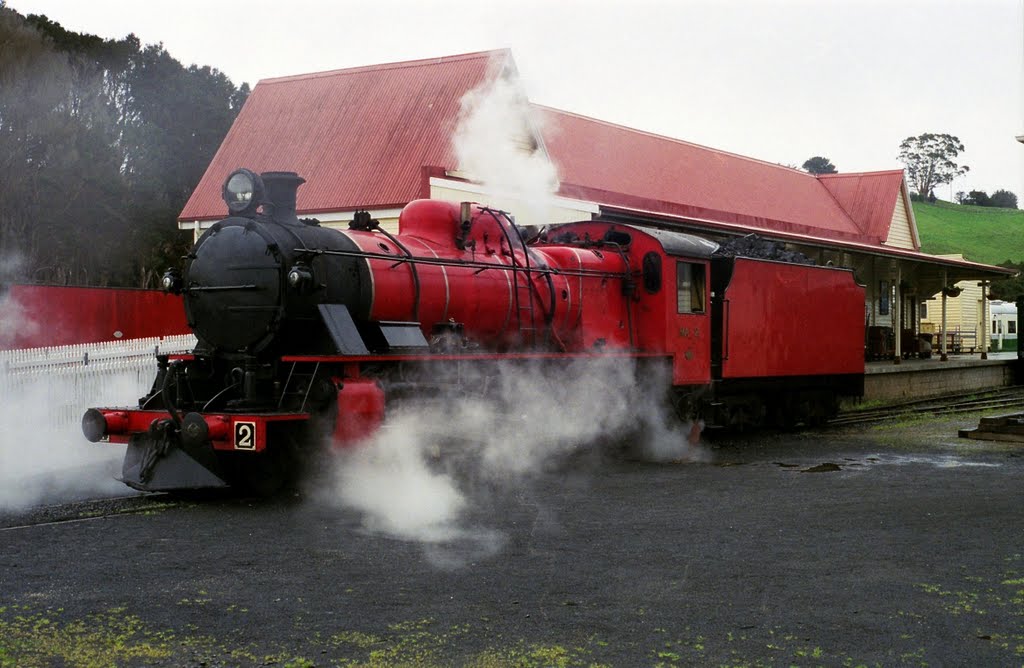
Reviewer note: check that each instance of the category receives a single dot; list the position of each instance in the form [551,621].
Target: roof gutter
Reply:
[625,214]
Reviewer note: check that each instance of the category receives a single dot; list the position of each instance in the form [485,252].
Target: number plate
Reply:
[245,436]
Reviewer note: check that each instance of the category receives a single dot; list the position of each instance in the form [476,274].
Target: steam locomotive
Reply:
[308,334]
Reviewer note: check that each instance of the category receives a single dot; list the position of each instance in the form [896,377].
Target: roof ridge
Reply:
[421,62]
[835,198]
[860,225]
[676,140]
[847,174]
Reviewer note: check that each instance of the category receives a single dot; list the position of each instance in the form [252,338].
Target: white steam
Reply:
[423,476]
[43,455]
[15,323]
[495,146]
[393,484]
[419,477]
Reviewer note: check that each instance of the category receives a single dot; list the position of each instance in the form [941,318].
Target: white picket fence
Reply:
[66,380]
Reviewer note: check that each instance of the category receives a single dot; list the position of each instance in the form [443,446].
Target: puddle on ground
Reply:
[827,467]
[938,461]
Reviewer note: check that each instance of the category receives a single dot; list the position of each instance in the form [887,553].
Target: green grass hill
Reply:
[982,234]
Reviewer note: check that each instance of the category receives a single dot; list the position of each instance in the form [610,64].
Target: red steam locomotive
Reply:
[307,333]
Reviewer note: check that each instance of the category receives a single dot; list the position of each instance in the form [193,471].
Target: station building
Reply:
[966,311]
[375,138]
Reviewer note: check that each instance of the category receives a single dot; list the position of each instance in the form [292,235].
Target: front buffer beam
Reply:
[160,459]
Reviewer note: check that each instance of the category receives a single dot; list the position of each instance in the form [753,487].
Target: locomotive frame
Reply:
[308,334]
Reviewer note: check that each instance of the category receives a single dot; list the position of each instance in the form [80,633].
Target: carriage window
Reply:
[1011,327]
[690,287]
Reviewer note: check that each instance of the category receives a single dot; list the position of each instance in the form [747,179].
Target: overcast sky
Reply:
[778,81]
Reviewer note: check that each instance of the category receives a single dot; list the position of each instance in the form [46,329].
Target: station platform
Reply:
[911,379]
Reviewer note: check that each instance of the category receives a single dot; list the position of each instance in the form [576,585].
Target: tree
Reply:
[61,189]
[819,165]
[1003,199]
[1011,288]
[96,156]
[978,198]
[930,160]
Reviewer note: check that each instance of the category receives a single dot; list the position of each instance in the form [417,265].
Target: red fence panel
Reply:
[34,316]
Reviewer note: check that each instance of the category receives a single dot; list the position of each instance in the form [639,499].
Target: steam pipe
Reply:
[172,370]
[466,218]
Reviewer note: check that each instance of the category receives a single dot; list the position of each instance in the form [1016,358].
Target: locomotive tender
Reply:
[307,334]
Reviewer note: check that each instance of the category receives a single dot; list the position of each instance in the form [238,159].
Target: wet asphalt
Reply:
[892,545]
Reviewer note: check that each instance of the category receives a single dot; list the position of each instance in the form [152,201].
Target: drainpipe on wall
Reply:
[897,319]
[942,345]
[984,320]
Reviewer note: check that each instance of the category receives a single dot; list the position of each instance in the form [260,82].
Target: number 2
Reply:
[245,435]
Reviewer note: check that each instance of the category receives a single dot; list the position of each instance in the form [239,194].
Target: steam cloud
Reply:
[421,477]
[493,146]
[43,455]
[14,321]
[425,475]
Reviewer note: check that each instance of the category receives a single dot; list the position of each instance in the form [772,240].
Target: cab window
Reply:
[690,287]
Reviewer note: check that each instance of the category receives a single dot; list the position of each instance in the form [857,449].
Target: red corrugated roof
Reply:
[369,136]
[620,166]
[868,198]
[360,136]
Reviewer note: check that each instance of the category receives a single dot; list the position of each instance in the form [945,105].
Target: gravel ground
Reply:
[891,545]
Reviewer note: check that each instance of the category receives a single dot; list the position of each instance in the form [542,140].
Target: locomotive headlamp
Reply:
[300,278]
[243,192]
[171,282]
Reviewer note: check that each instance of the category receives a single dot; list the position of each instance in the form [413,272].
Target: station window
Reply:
[690,287]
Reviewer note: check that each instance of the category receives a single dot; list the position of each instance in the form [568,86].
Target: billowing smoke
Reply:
[15,323]
[495,146]
[432,472]
[425,475]
[43,455]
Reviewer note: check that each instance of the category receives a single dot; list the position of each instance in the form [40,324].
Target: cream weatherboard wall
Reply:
[963,312]
[902,232]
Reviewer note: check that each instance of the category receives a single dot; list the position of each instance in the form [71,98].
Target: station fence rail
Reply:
[66,380]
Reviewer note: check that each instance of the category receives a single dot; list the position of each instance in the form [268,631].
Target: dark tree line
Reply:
[1009,289]
[819,165]
[101,144]
[1002,199]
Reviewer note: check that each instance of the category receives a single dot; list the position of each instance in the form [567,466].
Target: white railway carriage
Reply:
[1004,326]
